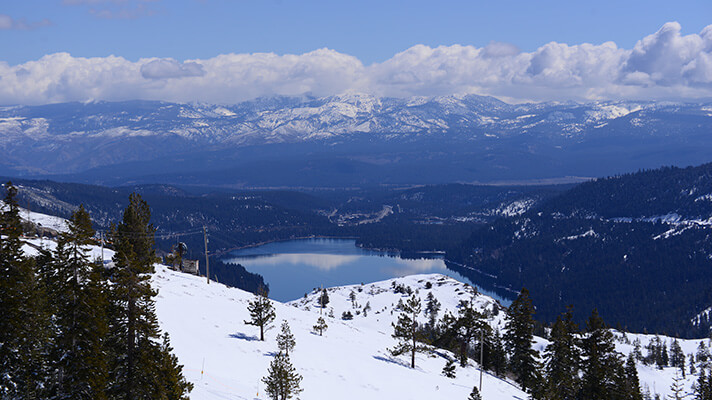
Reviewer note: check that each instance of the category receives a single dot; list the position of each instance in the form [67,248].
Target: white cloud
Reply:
[165,68]
[663,65]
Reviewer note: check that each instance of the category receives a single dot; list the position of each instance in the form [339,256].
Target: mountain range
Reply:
[348,140]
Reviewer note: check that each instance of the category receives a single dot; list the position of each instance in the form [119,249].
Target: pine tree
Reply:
[138,357]
[692,364]
[518,338]
[703,386]
[320,326]
[282,381]
[664,357]
[77,289]
[410,339]
[449,369]
[24,325]
[637,351]
[703,354]
[261,312]
[563,360]
[432,307]
[632,380]
[677,356]
[323,298]
[602,367]
[677,388]
[475,394]
[169,381]
[631,383]
[498,356]
[468,326]
[285,339]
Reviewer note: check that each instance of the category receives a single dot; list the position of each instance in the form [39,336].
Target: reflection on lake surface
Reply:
[295,267]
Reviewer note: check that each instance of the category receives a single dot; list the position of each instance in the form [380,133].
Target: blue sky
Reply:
[60,50]
[373,31]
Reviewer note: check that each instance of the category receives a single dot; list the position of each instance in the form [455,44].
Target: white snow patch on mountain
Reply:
[588,233]
[515,208]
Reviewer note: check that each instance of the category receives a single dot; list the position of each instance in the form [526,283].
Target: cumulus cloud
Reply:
[663,65]
[165,68]
[8,23]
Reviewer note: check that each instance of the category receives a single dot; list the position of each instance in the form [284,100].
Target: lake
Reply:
[293,268]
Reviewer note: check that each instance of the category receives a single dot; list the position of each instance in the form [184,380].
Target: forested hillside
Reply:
[636,246]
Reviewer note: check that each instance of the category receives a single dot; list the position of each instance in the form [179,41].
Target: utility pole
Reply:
[207,261]
[101,239]
[482,352]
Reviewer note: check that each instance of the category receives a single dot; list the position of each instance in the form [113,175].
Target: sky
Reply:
[226,51]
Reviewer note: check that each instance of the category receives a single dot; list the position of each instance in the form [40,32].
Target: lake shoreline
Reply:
[393,251]
[296,266]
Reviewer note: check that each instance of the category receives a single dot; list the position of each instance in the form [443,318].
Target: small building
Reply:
[187,266]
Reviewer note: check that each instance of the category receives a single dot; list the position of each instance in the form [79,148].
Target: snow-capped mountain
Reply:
[470,134]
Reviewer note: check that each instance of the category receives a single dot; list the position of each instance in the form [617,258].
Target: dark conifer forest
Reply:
[73,328]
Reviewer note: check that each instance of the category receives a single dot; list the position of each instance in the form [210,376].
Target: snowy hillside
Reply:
[350,360]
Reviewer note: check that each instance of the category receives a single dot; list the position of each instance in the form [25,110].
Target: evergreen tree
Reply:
[664,357]
[637,351]
[323,298]
[518,338]
[432,307]
[79,294]
[563,360]
[703,354]
[469,325]
[632,380]
[602,368]
[410,338]
[261,312]
[677,356]
[703,386]
[285,339]
[320,326]
[169,381]
[692,365]
[24,326]
[474,394]
[677,388]
[498,356]
[138,358]
[282,381]
[449,369]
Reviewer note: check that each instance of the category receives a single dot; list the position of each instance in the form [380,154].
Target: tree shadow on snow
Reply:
[243,336]
[392,361]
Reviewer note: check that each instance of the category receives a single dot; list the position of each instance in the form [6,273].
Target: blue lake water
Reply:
[295,267]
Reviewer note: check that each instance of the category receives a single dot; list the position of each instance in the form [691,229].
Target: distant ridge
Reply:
[348,140]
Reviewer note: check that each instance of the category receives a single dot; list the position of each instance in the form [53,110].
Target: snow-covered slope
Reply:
[350,361]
